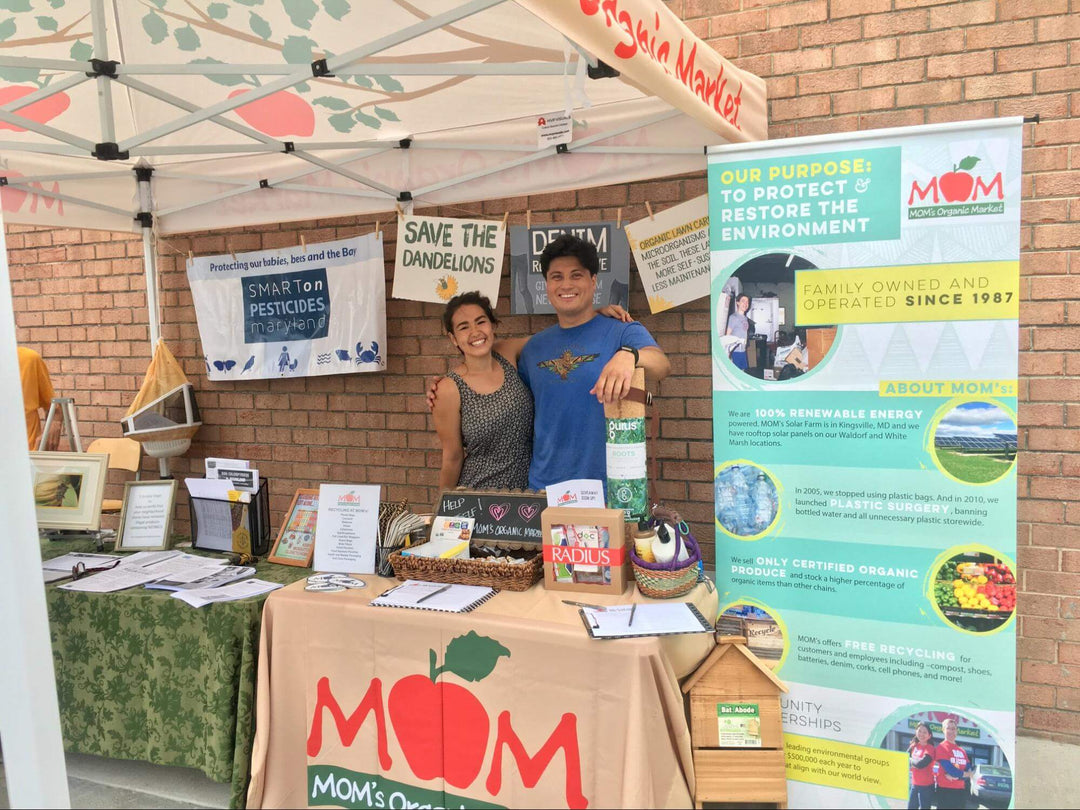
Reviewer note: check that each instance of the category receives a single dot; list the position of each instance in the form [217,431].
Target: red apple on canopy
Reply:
[41,111]
[279,114]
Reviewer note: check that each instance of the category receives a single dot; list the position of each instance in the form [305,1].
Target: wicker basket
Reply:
[659,581]
[502,576]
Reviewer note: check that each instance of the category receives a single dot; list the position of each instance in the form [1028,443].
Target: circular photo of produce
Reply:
[953,761]
[762,630]
[975,442]
[746,499]
[975,591]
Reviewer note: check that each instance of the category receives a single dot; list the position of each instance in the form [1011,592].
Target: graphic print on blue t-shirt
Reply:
[560,367]
[566,362]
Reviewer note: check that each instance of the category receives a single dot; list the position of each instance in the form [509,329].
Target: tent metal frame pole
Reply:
[51,90]
[150,270]
[344,60]
[52,178]
[546,152]
[364,69]
[104,83]
[41,149]
[47,131]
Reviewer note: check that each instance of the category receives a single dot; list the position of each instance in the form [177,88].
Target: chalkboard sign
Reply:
[500,516]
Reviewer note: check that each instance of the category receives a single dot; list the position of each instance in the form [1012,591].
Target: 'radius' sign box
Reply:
[584,550]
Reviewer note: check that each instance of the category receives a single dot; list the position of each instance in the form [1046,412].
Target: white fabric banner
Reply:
[671,251]
[439,257]
[292,312]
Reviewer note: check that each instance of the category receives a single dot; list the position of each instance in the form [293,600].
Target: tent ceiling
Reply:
[254,111]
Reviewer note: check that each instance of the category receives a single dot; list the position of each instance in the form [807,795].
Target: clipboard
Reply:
[650,619]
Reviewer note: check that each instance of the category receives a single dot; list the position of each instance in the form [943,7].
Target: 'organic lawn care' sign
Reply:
[865,487]
[439,257]
[528,290]
[292,312]
[671,250]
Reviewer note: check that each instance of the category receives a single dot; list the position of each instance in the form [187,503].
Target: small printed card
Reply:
[452,528]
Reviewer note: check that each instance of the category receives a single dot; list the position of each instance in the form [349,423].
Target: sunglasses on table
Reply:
[79,569]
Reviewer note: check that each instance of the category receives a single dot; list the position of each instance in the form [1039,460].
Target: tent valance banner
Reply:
[292,312]
[528,290]
[865,447]
[671,251]
[439,257]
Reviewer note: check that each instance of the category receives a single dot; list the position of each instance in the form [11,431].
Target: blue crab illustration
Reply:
[368,355]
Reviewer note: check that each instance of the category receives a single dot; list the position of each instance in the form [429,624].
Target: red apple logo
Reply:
[278,115]
[443,728]
[41,111]
[956,185]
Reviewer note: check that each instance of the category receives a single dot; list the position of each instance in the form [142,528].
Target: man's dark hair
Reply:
[569,245]
[458,301]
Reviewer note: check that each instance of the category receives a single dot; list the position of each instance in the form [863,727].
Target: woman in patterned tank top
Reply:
[483,411]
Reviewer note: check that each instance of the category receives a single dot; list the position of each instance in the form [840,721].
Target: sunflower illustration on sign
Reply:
[446,287]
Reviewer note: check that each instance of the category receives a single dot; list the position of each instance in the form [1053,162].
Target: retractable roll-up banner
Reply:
[865,304]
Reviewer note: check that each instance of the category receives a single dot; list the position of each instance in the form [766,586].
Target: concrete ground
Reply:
[1048,778]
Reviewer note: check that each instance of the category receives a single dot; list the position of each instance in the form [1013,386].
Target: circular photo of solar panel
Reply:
[975,442]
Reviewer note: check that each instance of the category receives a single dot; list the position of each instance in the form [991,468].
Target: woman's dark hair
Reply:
[458,301]
[569,245]
[929,739]
[741,296]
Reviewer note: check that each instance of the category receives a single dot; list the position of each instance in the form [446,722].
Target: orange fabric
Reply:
[163,376]
[37,392]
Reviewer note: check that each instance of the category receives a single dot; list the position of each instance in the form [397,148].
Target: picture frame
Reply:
[295,544]
[585,550]
[147,515]
[68,488]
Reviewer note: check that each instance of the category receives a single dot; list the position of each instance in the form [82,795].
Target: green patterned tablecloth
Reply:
[143,676]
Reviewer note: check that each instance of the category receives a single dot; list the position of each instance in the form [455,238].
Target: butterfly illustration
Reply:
[566,363]
[224,365]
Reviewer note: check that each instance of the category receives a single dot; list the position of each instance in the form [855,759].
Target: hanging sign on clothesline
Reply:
[292,312]
[671,250]
[439,257]
[528,289]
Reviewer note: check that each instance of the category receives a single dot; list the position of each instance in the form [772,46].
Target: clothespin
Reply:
[229,247]
[378,227]
[303,243]
[618,219]
[400,212]
[190,256]
[506,216]
[528,218]
[648,207]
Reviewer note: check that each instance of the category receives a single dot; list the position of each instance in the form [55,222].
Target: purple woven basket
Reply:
[665,580]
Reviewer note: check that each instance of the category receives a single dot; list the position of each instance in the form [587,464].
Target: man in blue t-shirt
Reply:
[576,366]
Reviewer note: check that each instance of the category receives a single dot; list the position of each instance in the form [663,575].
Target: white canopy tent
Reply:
[187,115]
[171,116]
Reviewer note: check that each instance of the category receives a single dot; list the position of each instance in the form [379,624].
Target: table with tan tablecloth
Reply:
[510,705]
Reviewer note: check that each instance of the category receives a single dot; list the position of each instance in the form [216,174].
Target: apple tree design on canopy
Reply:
[344,101]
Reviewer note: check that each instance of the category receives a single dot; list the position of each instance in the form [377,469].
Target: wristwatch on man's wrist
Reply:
[632,351]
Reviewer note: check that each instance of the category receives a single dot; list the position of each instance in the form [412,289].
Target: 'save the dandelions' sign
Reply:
[439,257]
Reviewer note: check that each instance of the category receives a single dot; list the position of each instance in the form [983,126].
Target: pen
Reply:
[583,604]
[433,593]
[632,609]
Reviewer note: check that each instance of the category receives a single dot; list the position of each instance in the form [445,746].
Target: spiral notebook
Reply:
[645,619]
[434,596]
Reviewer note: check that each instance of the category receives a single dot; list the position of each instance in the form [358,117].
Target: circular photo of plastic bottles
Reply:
[746,499]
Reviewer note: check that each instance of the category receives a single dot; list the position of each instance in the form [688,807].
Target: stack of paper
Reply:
[226,593]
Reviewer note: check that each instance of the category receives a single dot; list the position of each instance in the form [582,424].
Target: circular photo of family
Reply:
[762,630]
[747,500]
[953,762]
[975,591]
[756,320]
[975,442]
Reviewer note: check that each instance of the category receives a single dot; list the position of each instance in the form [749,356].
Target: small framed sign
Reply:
[146,517]
[68,489]
[295,543]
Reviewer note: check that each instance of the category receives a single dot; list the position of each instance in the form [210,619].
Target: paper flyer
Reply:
[865,445]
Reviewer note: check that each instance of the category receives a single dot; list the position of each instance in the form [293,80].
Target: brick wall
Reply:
[830,66]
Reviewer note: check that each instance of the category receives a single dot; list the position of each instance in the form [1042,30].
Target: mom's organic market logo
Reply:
[443,730]
[957,193]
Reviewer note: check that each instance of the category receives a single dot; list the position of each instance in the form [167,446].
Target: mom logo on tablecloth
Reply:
[443,731]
